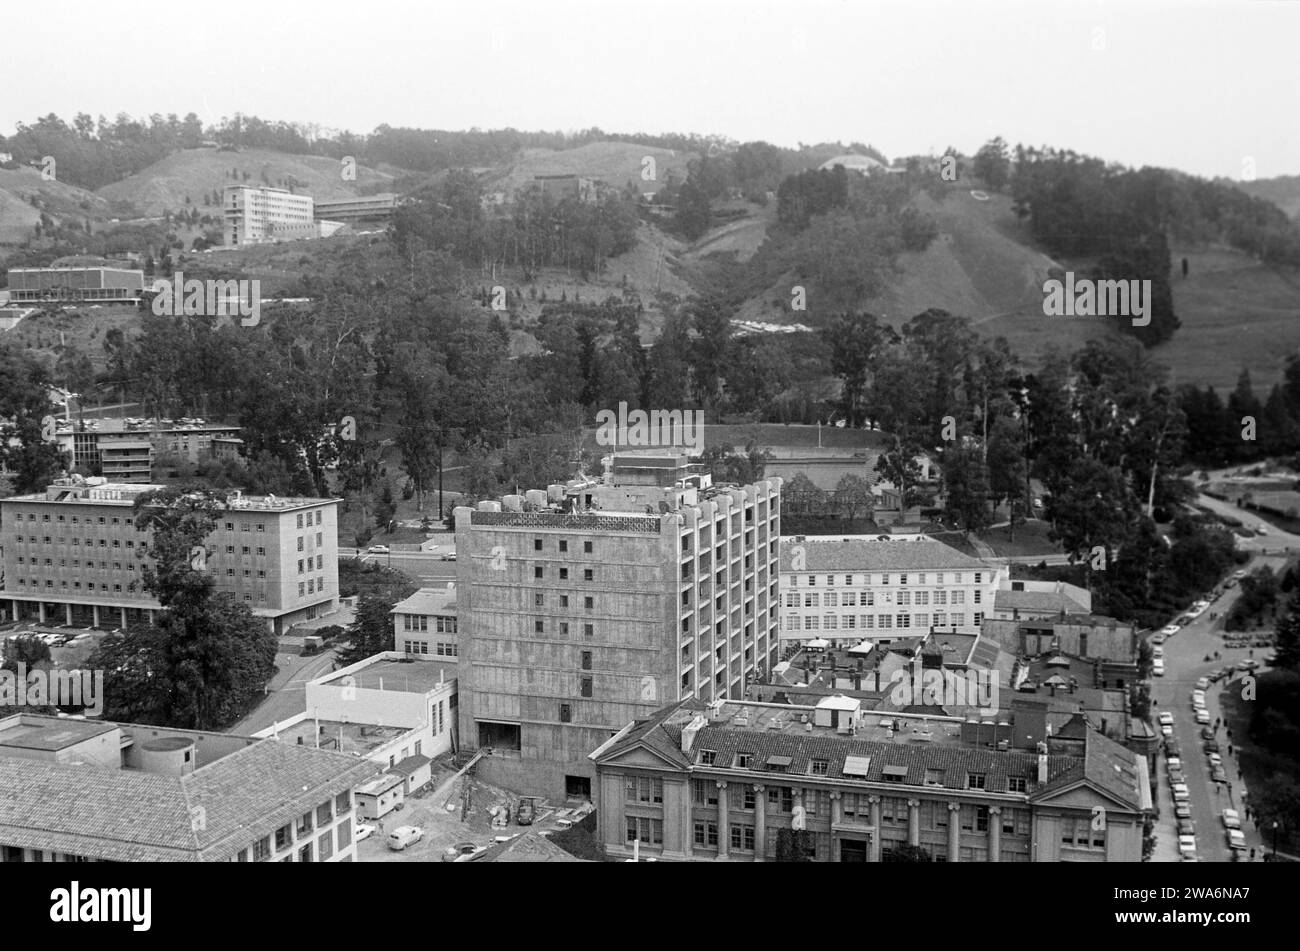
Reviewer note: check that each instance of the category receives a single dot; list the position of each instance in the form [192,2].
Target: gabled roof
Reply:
[905,553]
[528,847]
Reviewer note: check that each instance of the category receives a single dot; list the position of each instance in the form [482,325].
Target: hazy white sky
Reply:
[1201,86]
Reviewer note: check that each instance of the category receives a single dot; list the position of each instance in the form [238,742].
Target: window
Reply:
[586,548]
[564,574]
[588,574]
[704,792]
[818,767]
[539,626]
[564,598]
[566,713]
[588,603]
[742,838]
[744,761]
[975,780]
[707,757]
[537,571]
[588,630]
[539,600]
[586,660]
[537,544]
[647,830]
[1017,784]
[564,546]
[706,834]
[586,686]
[283,837]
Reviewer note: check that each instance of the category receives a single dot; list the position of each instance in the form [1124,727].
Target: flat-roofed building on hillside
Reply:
[261,215]
[425,624]
[587,604]
[103,285]
[74,553]
[93,791]
[362,208]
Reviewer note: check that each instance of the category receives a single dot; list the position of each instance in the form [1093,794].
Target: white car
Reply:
[1180,792]
[1166,729]
[1187,844]
[377,550]
[1214,758]
[1231,819]
[1169,630]
[1203,683]
[1159,638]
[1158,668]
[1236,840]
[1167,718]
[1202,717]
[403,836]
[364,832]
[1198,698]
[1174,763]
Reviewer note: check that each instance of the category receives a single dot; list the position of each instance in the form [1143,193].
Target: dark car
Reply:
[1207,732]
[1219,775]
[1211,746]
[1185,827]
[526,812]
[1172,748]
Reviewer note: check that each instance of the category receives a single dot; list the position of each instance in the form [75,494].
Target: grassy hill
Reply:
[1283,191]
[617,163]
[194,173]
[18,216]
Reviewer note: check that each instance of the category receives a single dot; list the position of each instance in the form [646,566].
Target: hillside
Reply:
[1283,191]
[616,163]
[18,216]
[194,173]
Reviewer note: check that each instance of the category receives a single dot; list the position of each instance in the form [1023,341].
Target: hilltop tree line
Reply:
[1242,428]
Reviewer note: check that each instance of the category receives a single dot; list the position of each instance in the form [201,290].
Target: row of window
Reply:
[851,599]
[587,547]
[76,541]
[89,520]
[319,515]
[420,622]
[441,648]
[320,564]
[319,543]
[922,577]
[285,837]
[880,622]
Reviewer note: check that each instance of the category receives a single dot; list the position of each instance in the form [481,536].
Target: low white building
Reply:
[850,588]
[425,624]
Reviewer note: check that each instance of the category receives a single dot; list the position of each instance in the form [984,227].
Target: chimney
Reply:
[689,732]
[1042,764]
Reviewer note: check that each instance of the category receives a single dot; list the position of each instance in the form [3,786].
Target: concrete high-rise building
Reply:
[73,554]
[592,603]
[258,215]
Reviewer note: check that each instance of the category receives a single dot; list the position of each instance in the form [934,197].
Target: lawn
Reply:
[1030,539]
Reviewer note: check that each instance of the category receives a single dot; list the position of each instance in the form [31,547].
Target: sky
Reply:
[1211,87]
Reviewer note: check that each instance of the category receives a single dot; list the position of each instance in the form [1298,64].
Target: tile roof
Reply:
[908,553]
[528,847]
[409,765]
[1051,602]
[129,815]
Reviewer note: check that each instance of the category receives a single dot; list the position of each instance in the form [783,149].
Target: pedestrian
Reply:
[1252,855]
[1229,749]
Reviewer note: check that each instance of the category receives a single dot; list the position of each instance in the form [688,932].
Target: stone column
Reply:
[688,825]
[873,852]
[94,610]
[837,817]
[67,614]
[123,610]
[954,830]
[995,833]
[760,823]
[40,611]
[914,821]
[724,821]
[13,608]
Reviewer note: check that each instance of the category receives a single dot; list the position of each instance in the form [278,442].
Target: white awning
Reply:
[856,765]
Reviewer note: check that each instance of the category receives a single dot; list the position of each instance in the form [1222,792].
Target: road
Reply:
[286,696]
[1185,662]
[426,567]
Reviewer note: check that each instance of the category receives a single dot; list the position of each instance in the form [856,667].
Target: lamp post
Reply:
[1274,840]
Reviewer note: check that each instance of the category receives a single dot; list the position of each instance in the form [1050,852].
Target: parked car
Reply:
[377,550]
[1231,819]
[1202,715]
[1236,840]
[1207,732]
[1218,775]
[1173,762]
[1185,827]
[1167,718]
[1180,792]
[1211,746]
[1169,630]
[1159,638]
[1158,668]
[1166,729]
[1172,749]
[364,832]
[1183,810]
[1261,530]
[1176,776]
[526,812]
[1250,664]
[1215,759]
[1187,844]
[404,836]
[1202,683]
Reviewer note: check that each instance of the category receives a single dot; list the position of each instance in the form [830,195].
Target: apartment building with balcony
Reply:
[125,450]
[729,781]
[259,214]
[73,555]
[105,285]
[845,589]
[91,791]
[592,603]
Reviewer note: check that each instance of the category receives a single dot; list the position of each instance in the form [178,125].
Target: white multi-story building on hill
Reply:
[848,588]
